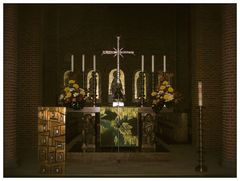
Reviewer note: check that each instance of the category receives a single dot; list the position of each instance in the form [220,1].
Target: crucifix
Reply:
[117,53]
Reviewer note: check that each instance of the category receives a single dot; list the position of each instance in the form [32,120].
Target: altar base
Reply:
[122,156]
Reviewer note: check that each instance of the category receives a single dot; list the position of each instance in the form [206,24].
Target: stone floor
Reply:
[183,160]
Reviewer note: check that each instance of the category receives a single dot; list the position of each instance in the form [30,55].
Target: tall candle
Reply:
[164,63]
[72,63]
[83,62]
[200,102]
[153,63]
[142,63]
[94,63]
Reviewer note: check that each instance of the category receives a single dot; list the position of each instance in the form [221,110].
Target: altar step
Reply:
[118,156]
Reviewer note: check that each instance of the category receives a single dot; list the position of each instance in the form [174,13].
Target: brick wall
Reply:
[10,87]
[229,86]
[206,66]
[29,77]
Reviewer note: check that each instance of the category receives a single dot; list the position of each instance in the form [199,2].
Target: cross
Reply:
[117,52]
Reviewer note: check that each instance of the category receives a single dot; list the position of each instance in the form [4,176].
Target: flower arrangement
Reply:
[73,96]
[165,96]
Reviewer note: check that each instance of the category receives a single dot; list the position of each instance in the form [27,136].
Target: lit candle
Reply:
[200,102]
[142,63]
[164,63]
[94,63]
[83,62]
[152,63]
[72,63]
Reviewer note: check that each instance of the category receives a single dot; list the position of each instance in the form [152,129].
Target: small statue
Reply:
[116,87]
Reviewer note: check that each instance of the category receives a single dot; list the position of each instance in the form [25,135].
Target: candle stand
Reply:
[142,76]
[94,75]
[201,167]
[153,81]
[83,80]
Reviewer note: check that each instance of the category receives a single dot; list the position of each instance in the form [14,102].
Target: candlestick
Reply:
[142,63]
[201,167]
[200,102]
[164,63]
[152,63]
[83,69]
[83,62]
[72,63]
[142,88]
[94,63]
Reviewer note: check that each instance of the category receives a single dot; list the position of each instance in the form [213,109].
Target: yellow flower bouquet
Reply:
[164,96]
[73,96]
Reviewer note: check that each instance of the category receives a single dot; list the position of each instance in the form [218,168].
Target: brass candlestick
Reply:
[153,81]
[83,80]
[94,87]
[142,89]
[201,167]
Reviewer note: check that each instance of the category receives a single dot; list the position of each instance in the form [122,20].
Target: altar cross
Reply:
[117,52]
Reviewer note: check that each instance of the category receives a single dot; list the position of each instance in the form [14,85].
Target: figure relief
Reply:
[90,84]
[112,88]
[138,86]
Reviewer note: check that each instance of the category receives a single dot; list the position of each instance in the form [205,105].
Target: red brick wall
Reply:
[229,86]
[206,66]
[10,87]
[29,77]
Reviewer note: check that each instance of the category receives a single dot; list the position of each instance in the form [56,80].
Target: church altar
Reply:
[103,131]
[136,135]
[76,134]
[114,129]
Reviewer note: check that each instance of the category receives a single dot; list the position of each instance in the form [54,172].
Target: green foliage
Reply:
[118,126]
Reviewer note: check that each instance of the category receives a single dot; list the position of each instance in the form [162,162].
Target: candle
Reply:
[94,63]
[200,102]
[142,63]
[83,62]
[152,63]
[164,63]
[72,63]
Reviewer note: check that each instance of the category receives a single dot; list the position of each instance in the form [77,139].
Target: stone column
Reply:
[229,87]
[10,82]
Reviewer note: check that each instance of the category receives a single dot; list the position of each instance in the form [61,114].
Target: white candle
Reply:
[200,102]
[164,63]
[153,63]
[94,63]
[72,63]
[83,62]
[142,63]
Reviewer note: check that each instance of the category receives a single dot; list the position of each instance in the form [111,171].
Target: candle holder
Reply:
[142,75]
[201,167]
[153,81]
[83,80]
[94,75]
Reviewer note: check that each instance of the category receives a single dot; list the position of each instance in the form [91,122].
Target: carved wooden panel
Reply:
[51,140]
[148,131]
